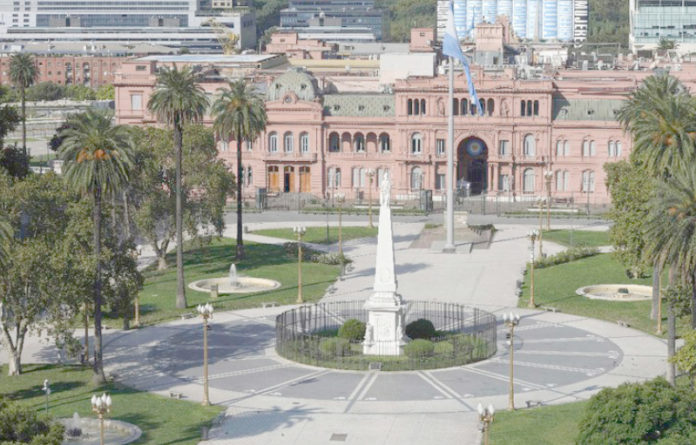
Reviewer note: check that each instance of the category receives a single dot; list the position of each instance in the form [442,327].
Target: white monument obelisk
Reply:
[384,334]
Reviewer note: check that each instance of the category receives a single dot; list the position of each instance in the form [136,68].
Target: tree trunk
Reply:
[24,124]
[655,291]
[671,331]
[162,262]
[240,241]
[86,350]
[126,215]
[180,287]
[14,362]
[99,376]
[693,300]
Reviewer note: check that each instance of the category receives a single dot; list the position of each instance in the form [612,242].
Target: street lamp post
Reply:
[486,416]
[101,406]
[532,237]
[340,200]
[206,312]
[299,231]
[370,174]
[541,203]
[511,320]
[548,175]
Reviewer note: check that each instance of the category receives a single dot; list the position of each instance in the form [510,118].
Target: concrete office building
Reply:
[333,13]
[560,20]
[653,20]
[178,22]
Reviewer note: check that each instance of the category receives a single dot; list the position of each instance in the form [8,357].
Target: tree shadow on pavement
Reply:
[253,423]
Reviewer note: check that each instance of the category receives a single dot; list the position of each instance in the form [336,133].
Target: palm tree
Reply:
[23,73]
[98,159]
[178,100]
[239,113]
[661,118]
[671,229]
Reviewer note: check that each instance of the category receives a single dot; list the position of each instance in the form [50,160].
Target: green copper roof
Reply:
[585,109]
[295,80]
[359,105]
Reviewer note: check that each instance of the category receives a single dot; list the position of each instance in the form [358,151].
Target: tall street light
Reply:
[541,203]
[511,320]
[206,312]
[548,175]
[370,174]
[101,406]
[486,417]
[340,200]
[533,235]
[299,231]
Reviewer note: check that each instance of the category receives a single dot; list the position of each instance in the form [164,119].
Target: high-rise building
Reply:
[341,13]
[562,20]
[653,20]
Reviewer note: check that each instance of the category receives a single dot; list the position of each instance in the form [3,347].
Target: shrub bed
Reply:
[566,256]
[420,328]
[352,330]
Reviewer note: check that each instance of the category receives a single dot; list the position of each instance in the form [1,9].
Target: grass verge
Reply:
[317,235]
[577,238]
[157,298]
[546,425]
[555,286]
[162,420]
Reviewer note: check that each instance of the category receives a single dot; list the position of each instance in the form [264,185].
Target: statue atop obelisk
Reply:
[384,334]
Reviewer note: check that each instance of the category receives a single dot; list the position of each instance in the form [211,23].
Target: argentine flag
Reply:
[451,48]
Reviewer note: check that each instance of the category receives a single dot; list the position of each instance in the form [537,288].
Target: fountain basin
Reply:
[243,285]
[116,432]
[616,292]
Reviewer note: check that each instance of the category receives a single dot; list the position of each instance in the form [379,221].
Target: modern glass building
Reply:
[531,19]
[343,13]
[652,20]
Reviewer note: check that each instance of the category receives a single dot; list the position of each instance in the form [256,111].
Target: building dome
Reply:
[294,80]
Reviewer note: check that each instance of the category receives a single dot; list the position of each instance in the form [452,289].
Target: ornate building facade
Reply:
[556,131]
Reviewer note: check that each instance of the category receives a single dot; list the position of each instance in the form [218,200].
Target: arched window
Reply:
[465,107]
[304,143]
[592,148]
[566,148]
[559,148]
[384,143]
[422,101]
[334,142]
[562,180]
[618,149]
[337,178]
[224,145]
[359,143]
[409,106]
[416,143]
[523,109]
[529,145]
[528,180]
[612,149]
[416,107]
[588,148]
[588,179]
[455,106]
[482,102]
[250,177]
[273,142]
[490,106]
[536,108]
[249,145]
[416,178]
[287,142]
[529,108]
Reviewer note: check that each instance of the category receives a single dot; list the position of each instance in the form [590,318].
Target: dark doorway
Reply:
[472,163]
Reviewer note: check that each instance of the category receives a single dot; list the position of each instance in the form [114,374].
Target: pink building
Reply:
[289,43]
[555,131]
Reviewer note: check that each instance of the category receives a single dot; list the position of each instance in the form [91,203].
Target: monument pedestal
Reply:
[384,331]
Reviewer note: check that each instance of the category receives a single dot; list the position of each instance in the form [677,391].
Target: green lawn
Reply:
[157,299]
[546,425]
[162,420]
[555,286]
[317,235]
[587,238]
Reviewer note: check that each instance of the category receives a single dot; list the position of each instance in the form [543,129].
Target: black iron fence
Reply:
[307,334]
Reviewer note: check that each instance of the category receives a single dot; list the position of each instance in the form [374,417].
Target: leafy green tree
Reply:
[178,99]
[23,425]
[207,183]
[79,92]
[105,92]
[608,22]
[267,13]
[666,44]
[240,114]
[45,91]
[23,74]
[98,159]
[685,358]
[640,413]
[9,118]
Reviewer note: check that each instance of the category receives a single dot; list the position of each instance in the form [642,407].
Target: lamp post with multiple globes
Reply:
[548,175]
[101,406]
[511,320]
[206,312]
[299,231]
[533,235]
[371,175]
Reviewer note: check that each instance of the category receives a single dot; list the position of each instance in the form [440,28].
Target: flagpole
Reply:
[449,217]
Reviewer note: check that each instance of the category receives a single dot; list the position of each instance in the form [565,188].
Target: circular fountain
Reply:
[85,431]
[234,284]
[616,292]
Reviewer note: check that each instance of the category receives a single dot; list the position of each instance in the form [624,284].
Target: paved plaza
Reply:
[559,357]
